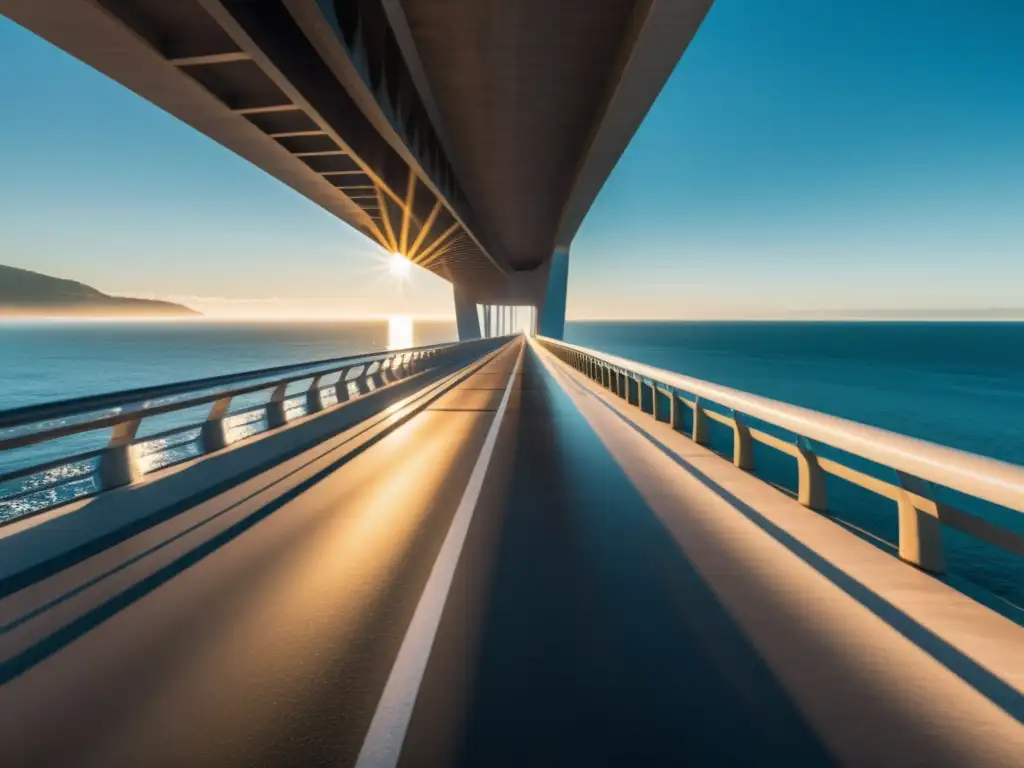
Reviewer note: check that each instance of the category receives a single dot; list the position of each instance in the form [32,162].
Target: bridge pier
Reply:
[551,312]
[466,318]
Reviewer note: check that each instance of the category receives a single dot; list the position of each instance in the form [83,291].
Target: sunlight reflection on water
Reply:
[400,334]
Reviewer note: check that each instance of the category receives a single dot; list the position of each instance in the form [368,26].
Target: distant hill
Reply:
[27,293]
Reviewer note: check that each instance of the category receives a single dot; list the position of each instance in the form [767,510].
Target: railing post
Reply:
[375,377]
[341,386]
[676,411]
[700,423]
[647,397]
[213,434]
[276,416]
[623,387]
[118,465]
[810,478]
[362,385]
[393,368]
[664,400]
[920,540]
[633,384]
[742,445]
[315,396]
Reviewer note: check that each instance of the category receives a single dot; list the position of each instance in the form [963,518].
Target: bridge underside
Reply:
[470,136]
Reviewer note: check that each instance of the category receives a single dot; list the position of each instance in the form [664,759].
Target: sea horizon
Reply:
[1018,317]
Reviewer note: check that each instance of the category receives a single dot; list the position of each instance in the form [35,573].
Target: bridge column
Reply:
[551,312]
[465,316]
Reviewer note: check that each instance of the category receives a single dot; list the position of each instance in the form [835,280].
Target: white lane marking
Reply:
[384,739]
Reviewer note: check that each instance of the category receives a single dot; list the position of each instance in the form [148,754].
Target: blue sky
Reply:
[806,156]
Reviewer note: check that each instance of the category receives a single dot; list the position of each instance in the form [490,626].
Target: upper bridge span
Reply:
[470,136]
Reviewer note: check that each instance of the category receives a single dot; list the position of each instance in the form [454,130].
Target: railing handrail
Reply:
[13,418]
[119,461]
[983,477]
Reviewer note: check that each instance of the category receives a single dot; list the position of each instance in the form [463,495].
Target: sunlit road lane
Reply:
[601,646]
[271,650]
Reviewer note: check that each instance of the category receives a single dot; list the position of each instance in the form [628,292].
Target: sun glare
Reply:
[398,265]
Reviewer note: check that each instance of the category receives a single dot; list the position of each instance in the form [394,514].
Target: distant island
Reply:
[24,293]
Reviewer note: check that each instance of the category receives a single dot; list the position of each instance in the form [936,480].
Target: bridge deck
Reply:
[622,597]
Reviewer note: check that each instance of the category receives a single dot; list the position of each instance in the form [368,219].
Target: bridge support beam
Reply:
[552,309]
[465,316]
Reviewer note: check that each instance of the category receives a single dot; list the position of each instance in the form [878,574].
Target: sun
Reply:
[398,265]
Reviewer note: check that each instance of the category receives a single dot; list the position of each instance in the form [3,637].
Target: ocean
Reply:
[55,360]
[958,384]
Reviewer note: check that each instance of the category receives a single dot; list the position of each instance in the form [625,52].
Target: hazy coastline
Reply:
[25,294]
